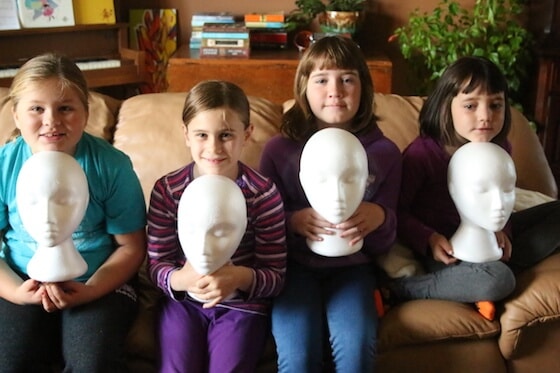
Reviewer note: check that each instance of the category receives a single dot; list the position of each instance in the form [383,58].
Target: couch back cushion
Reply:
[103,112]
[150,131]
[398,119]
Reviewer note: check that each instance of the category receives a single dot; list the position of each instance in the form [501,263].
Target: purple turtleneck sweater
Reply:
[280,161]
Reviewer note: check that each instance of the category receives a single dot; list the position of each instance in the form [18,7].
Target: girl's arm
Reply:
[381,204]
[411,230]
[13,288]
[164,252]
[120,267]
[270,244]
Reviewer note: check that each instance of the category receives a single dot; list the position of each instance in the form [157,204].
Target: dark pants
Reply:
[536,234]
[87,338]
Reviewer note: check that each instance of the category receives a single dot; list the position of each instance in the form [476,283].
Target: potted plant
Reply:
[431,41]
[334,16]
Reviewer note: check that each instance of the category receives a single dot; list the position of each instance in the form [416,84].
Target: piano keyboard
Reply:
[86,65]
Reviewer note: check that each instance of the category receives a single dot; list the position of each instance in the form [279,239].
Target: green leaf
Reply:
[430,41]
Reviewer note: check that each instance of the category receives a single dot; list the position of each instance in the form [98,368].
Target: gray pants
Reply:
[536,235]
[87,338]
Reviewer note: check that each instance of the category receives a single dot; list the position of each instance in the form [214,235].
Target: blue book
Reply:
[264,24]
[225,35]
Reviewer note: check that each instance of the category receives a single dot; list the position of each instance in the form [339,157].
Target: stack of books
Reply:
[199,19]
[225,40]
[267,30]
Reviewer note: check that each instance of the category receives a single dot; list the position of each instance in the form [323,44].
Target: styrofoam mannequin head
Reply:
[333,173]
[481,180]
[211,221]
[52,196]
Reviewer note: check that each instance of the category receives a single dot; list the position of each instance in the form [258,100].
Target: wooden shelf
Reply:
[268,74]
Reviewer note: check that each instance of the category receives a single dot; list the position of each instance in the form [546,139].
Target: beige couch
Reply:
[417,336]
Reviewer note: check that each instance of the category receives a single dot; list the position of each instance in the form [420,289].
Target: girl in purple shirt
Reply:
[226,330]
[333,89]
[469,103]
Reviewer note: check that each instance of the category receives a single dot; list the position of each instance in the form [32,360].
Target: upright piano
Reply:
[100,50]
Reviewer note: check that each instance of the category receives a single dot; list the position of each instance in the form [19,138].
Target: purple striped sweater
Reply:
[263,247]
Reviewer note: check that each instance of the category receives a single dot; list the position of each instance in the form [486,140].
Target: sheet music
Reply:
[8,15]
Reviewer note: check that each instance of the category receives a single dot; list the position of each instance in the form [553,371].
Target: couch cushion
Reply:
[397,116]
[428,321]
[103,112]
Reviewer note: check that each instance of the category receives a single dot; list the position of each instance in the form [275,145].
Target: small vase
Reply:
[339,22]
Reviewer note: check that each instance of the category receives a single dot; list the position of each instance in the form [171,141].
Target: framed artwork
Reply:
[45,13]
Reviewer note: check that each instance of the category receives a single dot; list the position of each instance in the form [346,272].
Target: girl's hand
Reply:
[442,251]
[367,218]
[185,278]
[29,292]
[505,244]
[308,223]
[68,294]
[222,283]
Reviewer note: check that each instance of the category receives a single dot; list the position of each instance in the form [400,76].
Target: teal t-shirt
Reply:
[116,204]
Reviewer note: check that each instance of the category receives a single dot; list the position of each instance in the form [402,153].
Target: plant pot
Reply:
[339,22]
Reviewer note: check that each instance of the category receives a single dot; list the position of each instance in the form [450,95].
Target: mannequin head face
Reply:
[212,219]
[52,196]
[333,173]
[481,180]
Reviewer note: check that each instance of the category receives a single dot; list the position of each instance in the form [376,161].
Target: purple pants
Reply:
[193,339]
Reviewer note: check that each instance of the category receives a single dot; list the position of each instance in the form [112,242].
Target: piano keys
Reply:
[100,51]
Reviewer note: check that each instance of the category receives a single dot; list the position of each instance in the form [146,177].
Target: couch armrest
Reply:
[535,301]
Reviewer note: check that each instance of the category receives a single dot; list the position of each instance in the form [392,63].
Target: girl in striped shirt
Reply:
[226,330]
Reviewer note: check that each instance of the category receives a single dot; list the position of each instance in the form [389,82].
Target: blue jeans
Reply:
[333,302]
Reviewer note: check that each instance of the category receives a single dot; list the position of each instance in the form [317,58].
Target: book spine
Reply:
[212,17]
[222,27]
[225,35]
[256,17]
[230,43]
[264,24]
[274,18]
[269,46]
[267,37]
[200,23]
[224,52]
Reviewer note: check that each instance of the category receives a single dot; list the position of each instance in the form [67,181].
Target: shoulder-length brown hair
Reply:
[463,76]
[332,52]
